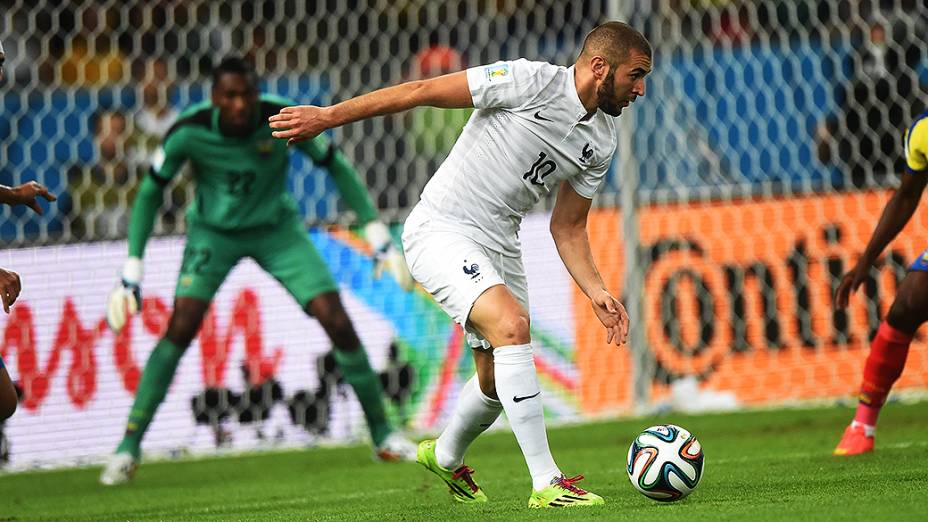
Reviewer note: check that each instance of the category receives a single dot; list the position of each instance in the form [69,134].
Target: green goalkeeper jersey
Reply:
[241,182]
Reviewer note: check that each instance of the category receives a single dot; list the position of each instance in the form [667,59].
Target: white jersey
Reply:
[526,136]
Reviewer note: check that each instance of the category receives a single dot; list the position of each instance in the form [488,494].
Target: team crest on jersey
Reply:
[586,154]
[265,147]
[498,73]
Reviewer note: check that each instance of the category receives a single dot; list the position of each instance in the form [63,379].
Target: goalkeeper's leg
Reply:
[288,254]
[156,378]
[356,368]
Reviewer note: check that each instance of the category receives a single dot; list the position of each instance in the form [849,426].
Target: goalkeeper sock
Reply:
[474,413]
[356,369]
[884,365]
[159,371]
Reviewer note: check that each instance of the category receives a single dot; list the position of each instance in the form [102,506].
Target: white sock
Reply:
[868,429]
[473,414]
[517,386]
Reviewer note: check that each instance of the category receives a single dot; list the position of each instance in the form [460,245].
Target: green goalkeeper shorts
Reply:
[284,251]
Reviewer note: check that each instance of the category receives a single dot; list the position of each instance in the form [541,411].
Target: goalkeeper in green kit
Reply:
[242,209]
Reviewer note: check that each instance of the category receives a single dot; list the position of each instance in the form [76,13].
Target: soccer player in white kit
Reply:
[536,125]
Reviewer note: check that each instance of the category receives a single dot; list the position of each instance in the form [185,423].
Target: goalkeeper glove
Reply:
[386,255]
[126,299]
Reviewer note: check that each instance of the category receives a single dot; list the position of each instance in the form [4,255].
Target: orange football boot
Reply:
[854,442]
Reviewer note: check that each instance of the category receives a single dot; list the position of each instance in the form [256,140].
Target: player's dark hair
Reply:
[234,65]
[613,41]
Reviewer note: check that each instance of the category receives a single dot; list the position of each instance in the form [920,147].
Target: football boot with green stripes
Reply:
[459,481]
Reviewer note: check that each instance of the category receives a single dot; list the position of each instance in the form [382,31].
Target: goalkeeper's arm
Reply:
[324,154]
[126,299]
[387,256]
[142,219]
[305,122]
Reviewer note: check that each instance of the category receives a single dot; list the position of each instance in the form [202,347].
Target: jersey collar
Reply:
[579,111]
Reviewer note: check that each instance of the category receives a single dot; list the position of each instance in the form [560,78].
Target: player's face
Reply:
[236,95]
[622,86]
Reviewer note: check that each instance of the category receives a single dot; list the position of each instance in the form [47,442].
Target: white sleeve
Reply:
[508,85]
[588,182]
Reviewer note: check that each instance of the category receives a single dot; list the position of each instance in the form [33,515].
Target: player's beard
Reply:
[608,102]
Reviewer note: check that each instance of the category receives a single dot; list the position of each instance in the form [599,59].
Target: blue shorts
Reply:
[921,263]
[1,363]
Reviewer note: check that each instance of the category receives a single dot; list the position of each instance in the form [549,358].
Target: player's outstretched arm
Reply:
[568,228]
[26,194]
[305,122]
[896,214]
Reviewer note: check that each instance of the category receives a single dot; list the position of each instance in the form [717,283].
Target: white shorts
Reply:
[456,270]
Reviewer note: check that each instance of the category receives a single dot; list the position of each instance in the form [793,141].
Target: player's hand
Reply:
[10,286]
[392,261]
[299,123]
[126,299]
[612,314]
[387,258]
[27,193]
[851,282]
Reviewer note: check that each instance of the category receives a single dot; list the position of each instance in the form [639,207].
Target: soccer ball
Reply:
[665,462]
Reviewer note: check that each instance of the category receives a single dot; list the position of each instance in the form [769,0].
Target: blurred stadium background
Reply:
[746,182]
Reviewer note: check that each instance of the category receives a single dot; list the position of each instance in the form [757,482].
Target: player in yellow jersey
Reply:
[909,310]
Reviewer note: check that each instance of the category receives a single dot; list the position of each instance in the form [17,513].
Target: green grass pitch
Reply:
[760,465]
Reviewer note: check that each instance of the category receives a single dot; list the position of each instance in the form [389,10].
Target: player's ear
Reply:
[600,67]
